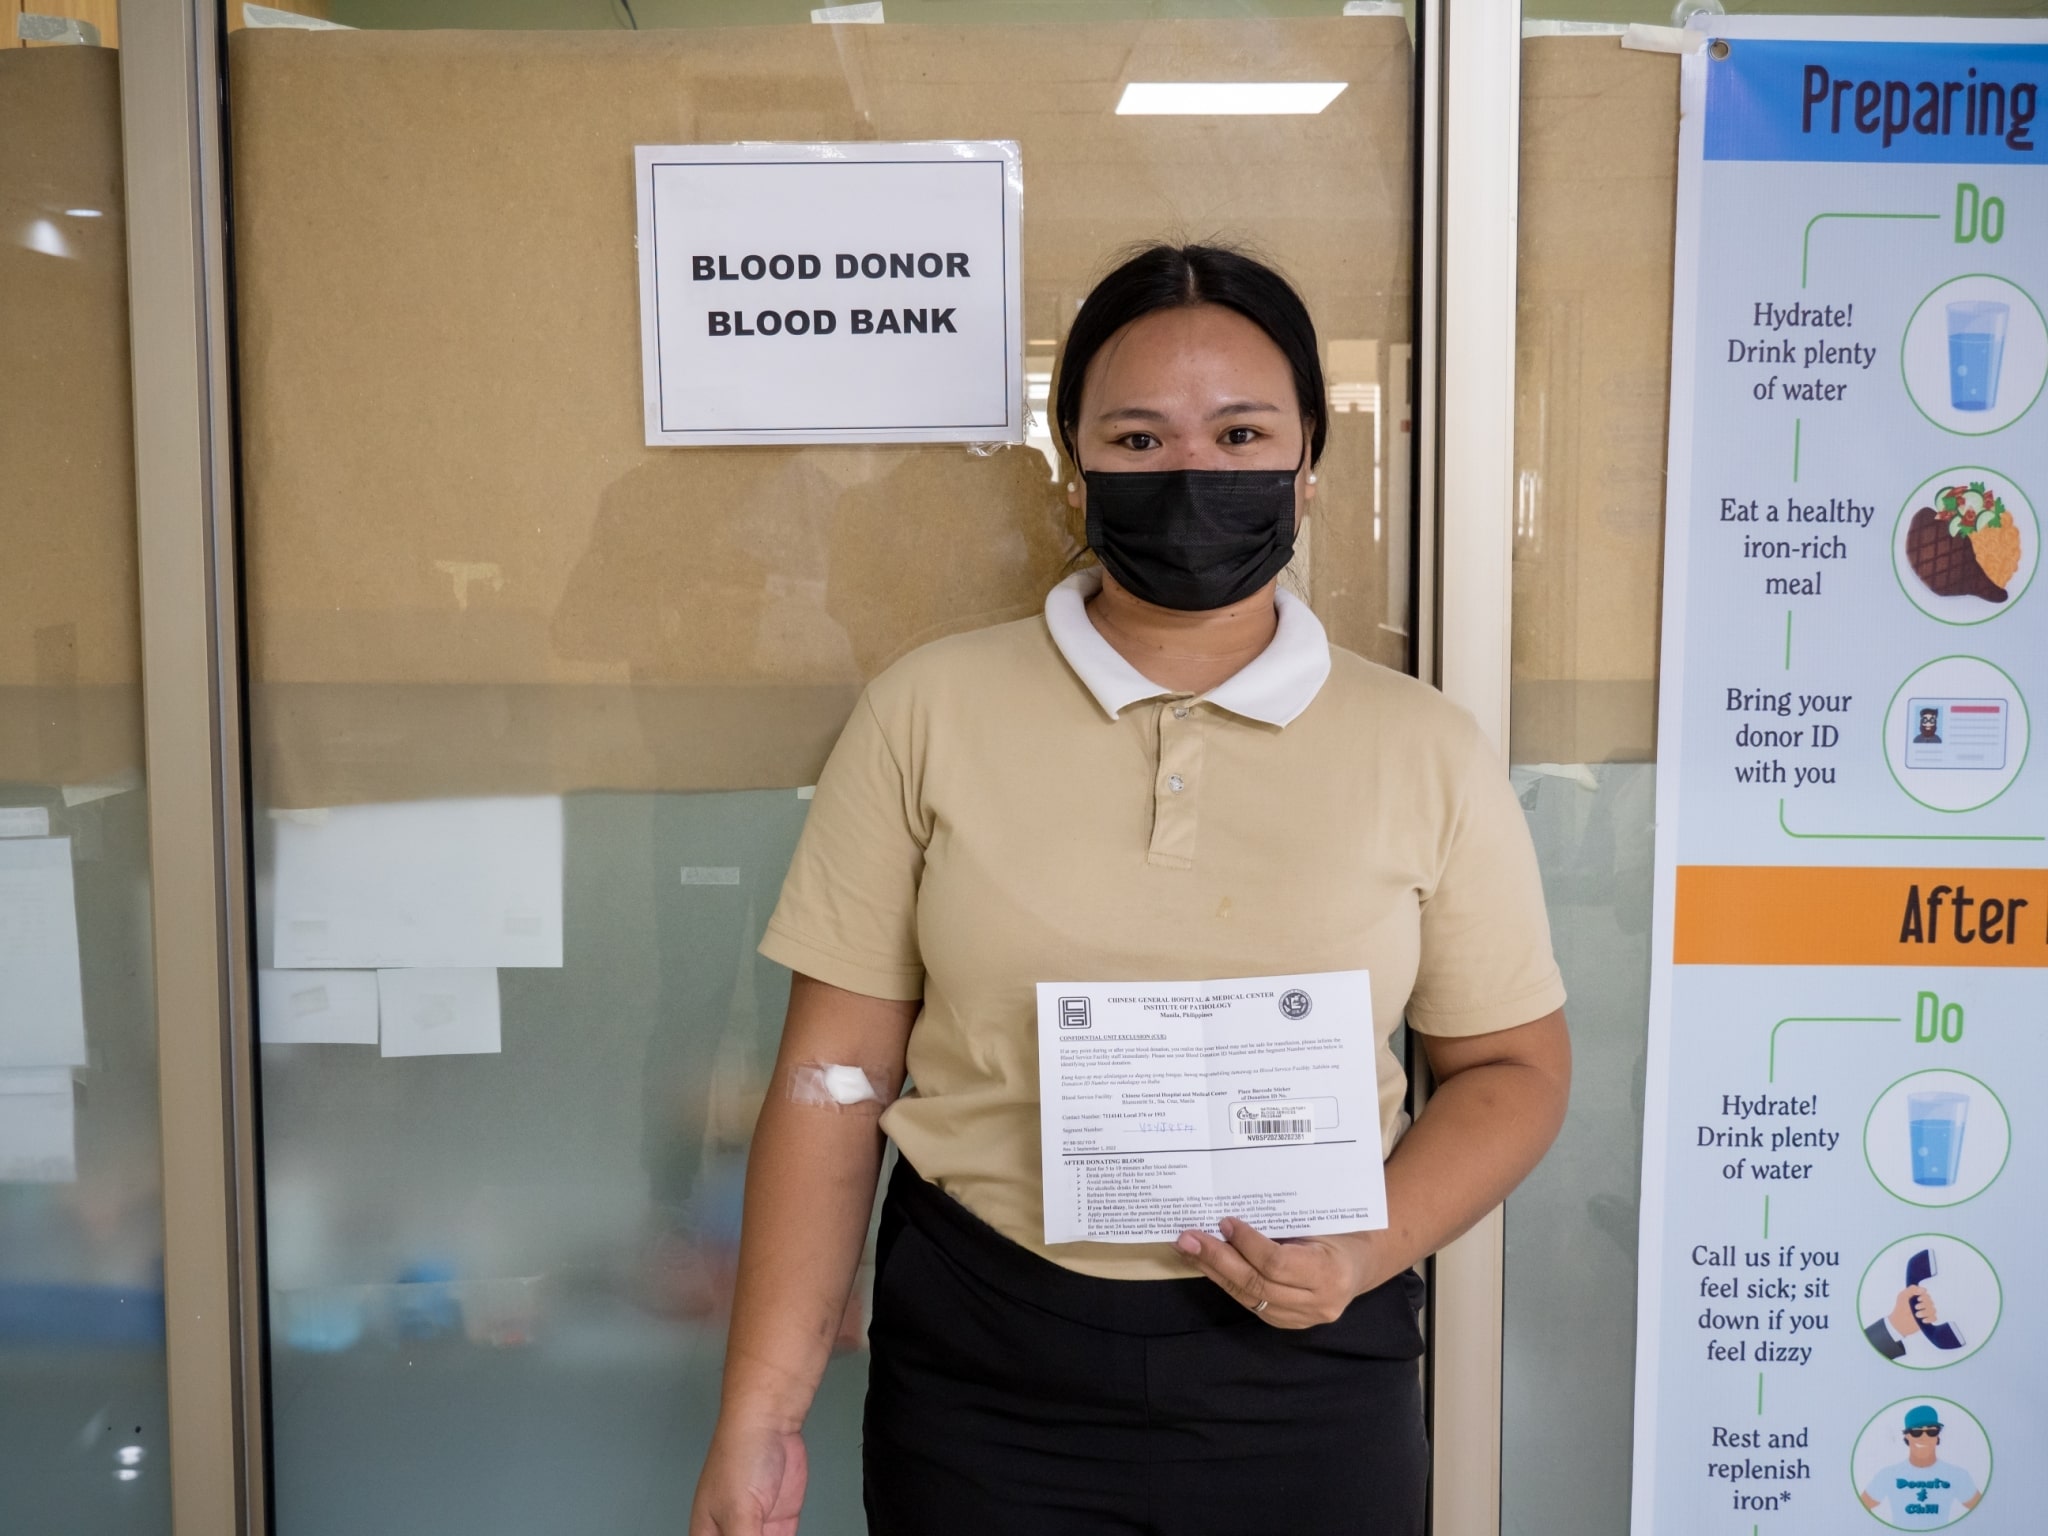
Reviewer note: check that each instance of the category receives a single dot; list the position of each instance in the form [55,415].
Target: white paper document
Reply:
[444,1012]
[420,883]
[24,821]
[42,1008]
[1168,1106]
[38,1133]
[316,1007]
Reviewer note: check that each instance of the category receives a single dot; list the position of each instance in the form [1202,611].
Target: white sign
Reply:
[1845,1090]
[1166,1107]
[831,293]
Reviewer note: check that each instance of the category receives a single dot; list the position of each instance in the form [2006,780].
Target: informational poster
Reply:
[822,293]
[1844,1260]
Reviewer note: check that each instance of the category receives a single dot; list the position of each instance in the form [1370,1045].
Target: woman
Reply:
[1171,775]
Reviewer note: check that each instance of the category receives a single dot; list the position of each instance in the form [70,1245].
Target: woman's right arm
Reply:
[811,1173]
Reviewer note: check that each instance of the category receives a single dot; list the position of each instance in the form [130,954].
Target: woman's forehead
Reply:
[1189,350]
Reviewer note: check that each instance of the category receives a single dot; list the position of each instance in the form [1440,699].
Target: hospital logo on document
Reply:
[1295,1003]
[1074,1013]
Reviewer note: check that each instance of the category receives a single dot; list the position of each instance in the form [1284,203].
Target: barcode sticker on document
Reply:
[1295,1120]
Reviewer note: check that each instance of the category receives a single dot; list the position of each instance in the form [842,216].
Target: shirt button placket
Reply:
[1173,813]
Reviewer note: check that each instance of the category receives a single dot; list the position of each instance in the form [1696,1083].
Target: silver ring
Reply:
[1259,1308]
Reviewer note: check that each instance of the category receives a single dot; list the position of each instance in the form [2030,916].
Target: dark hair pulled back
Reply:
[1179,277]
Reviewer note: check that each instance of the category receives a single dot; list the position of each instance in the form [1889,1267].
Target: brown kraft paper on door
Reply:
[70,660]
[465,573]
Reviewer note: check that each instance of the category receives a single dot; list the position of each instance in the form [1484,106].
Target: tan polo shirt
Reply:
[1019,805]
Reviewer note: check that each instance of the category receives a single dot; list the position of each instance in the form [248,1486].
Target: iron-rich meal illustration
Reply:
[1967,544]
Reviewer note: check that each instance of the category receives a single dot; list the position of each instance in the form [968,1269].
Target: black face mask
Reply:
[1192,539]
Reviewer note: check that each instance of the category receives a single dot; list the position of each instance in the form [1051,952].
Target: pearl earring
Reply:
[1070,487]
[1311,477]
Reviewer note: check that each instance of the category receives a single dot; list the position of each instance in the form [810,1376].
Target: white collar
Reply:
[1274,686]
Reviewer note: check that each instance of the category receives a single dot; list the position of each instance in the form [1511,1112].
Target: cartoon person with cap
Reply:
[1923,1491]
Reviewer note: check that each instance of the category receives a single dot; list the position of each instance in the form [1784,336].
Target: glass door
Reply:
[533,708]
[1599,168]
[82,1376]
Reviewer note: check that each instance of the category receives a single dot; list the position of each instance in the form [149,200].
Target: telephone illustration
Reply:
[1919,1270]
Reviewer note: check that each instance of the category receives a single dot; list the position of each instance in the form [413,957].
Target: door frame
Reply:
[170,70]
[1471,144]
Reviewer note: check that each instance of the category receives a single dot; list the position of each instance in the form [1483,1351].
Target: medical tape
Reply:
[831,1085]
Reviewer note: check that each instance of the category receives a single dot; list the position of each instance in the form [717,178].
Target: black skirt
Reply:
[1007,1394]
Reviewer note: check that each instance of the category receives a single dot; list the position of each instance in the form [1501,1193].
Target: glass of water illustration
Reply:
[1935,1125]
[1976,350]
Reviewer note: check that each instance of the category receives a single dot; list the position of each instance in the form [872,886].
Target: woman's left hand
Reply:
[1498,1102]
[1295,1283]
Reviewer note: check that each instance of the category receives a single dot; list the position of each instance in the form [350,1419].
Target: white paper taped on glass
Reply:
[439,1011]
[433,883]
[1165,1107]
[831,293]
[38,1128]
[316,1007]
[42,1003]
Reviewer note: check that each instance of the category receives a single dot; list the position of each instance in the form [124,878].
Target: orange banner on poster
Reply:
[1734,914]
